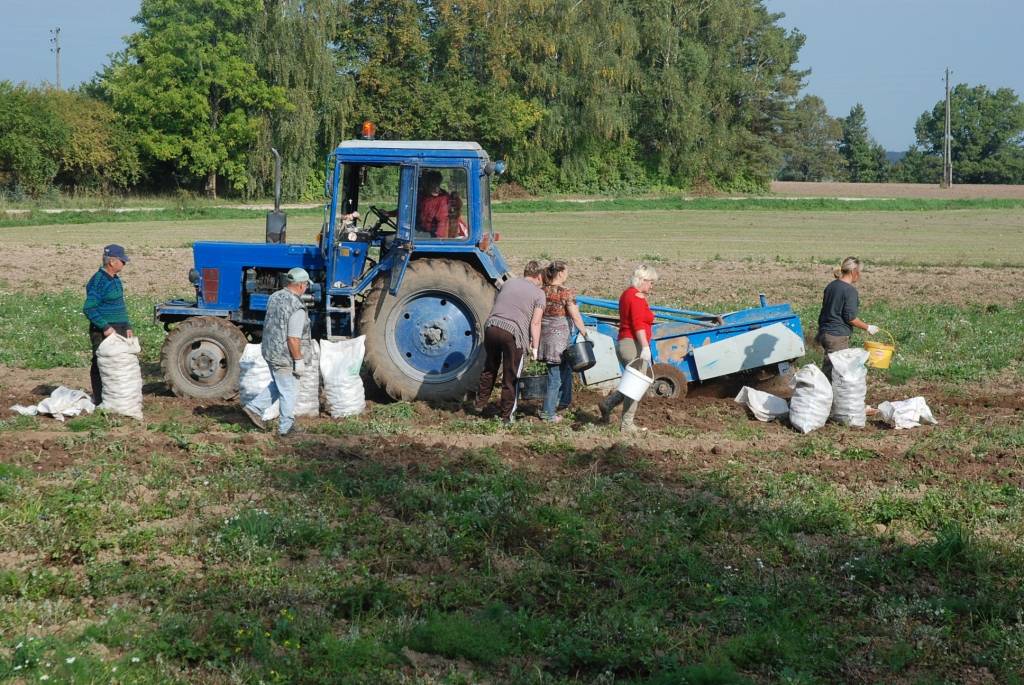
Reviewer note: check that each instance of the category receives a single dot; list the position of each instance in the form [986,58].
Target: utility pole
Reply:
[56,50]
[947,144]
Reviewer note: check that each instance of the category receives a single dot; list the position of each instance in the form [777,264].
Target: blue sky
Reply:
[888,55]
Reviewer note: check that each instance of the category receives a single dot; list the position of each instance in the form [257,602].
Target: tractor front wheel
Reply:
[200,358]
[425,342]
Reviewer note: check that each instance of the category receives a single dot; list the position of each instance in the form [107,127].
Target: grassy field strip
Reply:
[174,212]
[954,237]
[933,237]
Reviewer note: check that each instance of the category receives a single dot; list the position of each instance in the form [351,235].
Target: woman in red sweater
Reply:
[635,321]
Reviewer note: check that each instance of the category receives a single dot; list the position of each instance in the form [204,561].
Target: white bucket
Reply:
[634,383]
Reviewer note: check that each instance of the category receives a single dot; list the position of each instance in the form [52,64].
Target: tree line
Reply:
[595,96]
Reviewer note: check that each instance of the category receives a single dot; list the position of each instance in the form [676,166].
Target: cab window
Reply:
[442,207]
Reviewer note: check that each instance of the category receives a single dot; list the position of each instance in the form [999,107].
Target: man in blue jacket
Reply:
[105,308]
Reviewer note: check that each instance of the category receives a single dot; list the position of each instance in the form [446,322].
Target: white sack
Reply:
[62,402]
[118,359]
[812,399]
[339,364]
[308,403]
[906,413]
[254,378]
[849,386]
[763,405]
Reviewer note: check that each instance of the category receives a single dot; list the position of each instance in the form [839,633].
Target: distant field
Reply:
[902,190]
[968,237]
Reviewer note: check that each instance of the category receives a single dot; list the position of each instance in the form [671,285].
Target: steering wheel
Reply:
[382,219]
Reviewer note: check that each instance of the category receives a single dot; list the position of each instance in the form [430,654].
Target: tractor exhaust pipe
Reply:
[277,221]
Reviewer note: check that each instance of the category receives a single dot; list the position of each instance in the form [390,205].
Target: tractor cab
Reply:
[405,255]
[395,201]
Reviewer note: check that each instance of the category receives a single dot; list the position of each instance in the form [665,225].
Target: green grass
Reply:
[751,204]
[933,342]
[46,330]
[169,210]
[471,570]
[942,342]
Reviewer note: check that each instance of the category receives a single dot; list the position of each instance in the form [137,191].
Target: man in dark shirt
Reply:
[838,315]
[105,308]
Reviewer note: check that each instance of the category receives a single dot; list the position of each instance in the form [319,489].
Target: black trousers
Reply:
[501,351]
[96,337]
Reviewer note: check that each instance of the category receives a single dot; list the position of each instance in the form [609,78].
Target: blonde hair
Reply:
[847,266]
[643,273]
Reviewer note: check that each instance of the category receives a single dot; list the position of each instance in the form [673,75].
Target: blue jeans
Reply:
[559,392]
[284,386]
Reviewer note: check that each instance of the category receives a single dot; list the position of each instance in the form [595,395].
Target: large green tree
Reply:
[296,43]
[866,161]
[987,136]
[809,142]
[595,96]
[189,85]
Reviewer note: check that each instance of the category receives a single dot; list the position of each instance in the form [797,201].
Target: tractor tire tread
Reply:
[385,373]
[182,331]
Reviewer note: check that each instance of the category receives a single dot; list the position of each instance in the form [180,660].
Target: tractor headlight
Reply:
[193,276]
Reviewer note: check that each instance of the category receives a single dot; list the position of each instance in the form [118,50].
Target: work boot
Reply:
[294,433]
[631,428]
[606,412]
[256,419]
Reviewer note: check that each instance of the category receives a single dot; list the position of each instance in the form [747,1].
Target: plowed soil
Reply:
[898,190]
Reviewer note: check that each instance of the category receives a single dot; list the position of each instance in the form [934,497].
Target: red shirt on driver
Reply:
[432,214]
[634,314]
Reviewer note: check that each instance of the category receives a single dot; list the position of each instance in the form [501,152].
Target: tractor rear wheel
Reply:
[200,358]
[425,342]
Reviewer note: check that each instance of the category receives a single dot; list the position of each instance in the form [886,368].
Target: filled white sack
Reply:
[812,399]
[308,402]
[906,413]
[121,374]
[340,363]
[254,378]
[62,402]
[849,386]
[763,405]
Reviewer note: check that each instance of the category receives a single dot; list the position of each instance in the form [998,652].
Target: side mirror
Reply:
[497,167]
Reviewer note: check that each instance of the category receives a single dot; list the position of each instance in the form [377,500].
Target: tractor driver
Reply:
[433,208]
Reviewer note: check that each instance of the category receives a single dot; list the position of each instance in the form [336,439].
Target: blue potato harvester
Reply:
[696,347]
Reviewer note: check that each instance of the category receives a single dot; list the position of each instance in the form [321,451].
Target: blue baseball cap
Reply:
[115,251]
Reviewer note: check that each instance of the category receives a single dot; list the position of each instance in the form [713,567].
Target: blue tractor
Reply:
[416,274]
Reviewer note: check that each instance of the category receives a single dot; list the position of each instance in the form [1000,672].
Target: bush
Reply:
[32,135]
[49,136]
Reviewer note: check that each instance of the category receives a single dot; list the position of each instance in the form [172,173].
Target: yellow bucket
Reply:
[880,354]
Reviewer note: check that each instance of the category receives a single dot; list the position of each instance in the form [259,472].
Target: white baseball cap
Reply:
[298,275]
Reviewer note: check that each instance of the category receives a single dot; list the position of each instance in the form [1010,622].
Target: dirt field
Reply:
[708,257]
[910,190]
[170,545]
[158,270]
